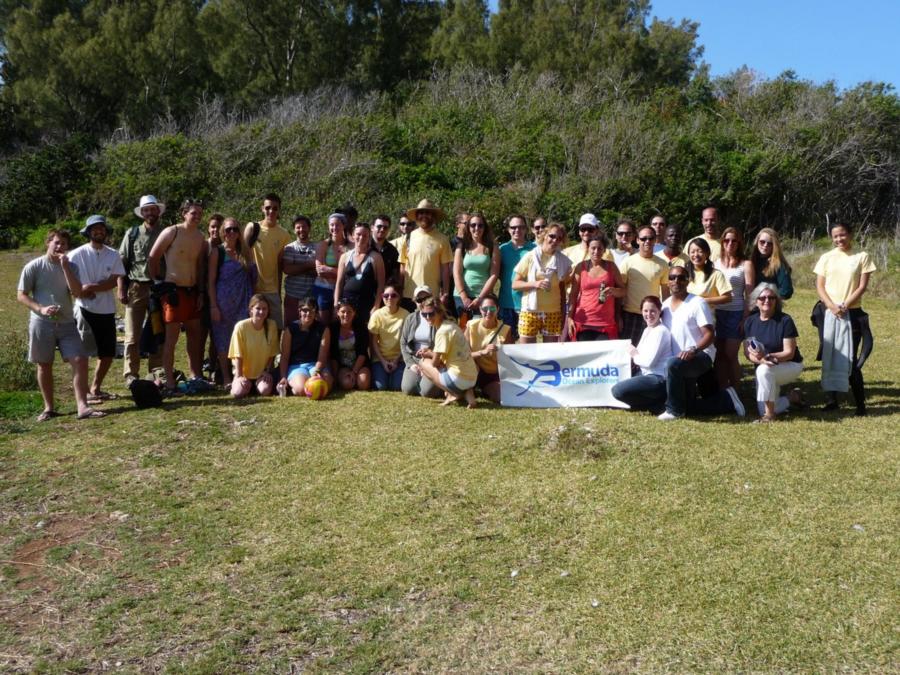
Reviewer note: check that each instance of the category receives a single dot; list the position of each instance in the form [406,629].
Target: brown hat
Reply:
[427,205]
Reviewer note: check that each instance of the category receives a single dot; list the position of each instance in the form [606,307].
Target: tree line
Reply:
[96,65]
[551,108]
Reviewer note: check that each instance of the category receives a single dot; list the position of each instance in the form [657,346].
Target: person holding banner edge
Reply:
[485,335]
[647,391]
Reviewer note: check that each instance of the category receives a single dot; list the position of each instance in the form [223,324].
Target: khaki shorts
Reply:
[45,335]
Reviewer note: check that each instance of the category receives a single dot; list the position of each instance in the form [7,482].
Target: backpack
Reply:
[145,394]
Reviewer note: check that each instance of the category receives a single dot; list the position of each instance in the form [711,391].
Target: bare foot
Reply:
[470,398]
[449,399]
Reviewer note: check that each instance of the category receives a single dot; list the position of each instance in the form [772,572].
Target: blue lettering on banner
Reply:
[549,374]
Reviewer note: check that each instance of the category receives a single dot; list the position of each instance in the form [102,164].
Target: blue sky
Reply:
[819,39]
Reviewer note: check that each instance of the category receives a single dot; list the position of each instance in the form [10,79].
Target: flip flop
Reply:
[91,414]
[47,415]
[103,396]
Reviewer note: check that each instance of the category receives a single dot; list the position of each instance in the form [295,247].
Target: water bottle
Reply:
[282,389]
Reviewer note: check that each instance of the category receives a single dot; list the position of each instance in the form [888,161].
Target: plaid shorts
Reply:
[545,323]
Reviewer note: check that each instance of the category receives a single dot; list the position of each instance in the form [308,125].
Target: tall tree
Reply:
[462,35]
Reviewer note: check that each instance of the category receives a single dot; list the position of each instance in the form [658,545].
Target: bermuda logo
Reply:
[550,374]
[547,370]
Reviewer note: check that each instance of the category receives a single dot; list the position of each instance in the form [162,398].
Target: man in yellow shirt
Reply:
[588,225]
[644,274]
[267,239]
[710,222]
[426,257]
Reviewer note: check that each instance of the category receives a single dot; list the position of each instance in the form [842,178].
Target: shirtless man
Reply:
[184,247]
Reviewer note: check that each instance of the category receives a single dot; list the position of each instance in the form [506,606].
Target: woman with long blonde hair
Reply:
[769,263]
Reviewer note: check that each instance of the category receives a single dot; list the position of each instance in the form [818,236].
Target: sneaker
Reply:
[129,379]
[666,417]
[738,406]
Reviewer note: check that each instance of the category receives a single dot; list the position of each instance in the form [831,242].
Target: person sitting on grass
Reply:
[254,344]
[385,327]
[647,391]
[305,348]
[771,345]
[485,335]
[350,349]
[449,364]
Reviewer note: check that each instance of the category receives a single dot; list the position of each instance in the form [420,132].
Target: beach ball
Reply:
[316,388]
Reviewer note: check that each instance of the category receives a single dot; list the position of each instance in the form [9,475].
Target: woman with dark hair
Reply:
[385,327]
[485,335]
[596,283]
[771,345]
[417,337]
[704,280]
[842,277]
[647,391]
[769,263]
[350,349]
[305,348]
[230,282]
[253,347]
[738,271]
[476,267]
[328,254]
[449,364]
[360,277]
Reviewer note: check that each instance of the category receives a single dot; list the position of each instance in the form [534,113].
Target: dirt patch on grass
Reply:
[41,566]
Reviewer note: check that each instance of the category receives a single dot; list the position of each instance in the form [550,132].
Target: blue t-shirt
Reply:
[773,332]
[509,258]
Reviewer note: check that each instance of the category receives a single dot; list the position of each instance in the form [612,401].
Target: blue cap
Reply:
[91,221]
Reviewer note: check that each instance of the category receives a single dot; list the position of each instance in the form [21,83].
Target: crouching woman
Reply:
[449,364]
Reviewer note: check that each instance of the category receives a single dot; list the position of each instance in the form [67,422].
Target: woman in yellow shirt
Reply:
[254,344]
[385,326]
[485,335]
[842,277]
[704,279]
[449,364]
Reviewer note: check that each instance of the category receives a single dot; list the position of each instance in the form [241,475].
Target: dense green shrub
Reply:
[16,373]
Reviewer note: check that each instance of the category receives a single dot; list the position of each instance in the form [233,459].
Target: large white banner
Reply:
[559,375]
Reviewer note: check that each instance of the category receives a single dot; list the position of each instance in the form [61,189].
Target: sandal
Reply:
[765,419]
[103,396]
[91,414]
[47,415]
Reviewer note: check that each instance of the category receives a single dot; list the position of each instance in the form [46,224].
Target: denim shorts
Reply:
[728,324]
[457,386]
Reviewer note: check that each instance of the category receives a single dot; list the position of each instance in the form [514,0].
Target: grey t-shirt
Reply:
[45,282]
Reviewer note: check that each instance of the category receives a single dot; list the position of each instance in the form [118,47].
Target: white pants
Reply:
[769,380]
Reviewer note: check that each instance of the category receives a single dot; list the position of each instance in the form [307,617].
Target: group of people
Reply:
[421,313]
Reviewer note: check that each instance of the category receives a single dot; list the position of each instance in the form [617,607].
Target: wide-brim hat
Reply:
[427,205]
[149,200]
[96,219]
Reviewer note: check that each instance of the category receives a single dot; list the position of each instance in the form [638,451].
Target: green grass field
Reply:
[376,532]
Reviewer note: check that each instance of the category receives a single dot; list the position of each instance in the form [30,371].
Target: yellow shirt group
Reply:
[385,328]
[254,347]
[842,272]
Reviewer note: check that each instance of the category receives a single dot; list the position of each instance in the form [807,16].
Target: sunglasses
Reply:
[765,242]
[306,310]
[677,277]
[729,241]
[476,226]
[388,296]
[231,230]
[554,237]
[427,315]
[517,227]
[490,309]
[539,228]
[766,298]
[646,238]
[382,227]
[422,299]
[624,234]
